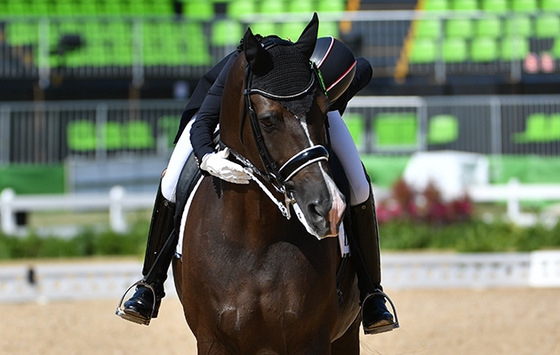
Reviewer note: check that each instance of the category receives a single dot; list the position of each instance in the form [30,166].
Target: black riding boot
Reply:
[364,245]
[144,304]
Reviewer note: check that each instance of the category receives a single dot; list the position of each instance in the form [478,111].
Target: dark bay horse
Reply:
[251,280]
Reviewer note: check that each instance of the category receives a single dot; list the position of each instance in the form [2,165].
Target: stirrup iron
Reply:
[386,328]
[133,317]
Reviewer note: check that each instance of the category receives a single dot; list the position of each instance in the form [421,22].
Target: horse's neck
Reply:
[254,210]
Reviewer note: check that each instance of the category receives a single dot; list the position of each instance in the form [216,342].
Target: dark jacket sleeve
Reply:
[199,93]
[208,115]
[364,73]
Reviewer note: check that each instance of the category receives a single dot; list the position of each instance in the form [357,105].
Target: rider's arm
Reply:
[208,115]
[199,93]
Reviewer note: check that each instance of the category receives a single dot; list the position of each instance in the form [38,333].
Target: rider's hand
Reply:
[218,165]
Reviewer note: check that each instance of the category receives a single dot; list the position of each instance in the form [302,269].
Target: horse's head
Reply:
[273,118]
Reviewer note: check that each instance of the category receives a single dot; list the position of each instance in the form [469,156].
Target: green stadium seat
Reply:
[395,129]
[81,135]
[291,30]
[554,126]
[442,129]
[20,33]
[226,32]
[162,8]
[75,58]
[301,6]
[167,129]
[96,54]
[331,6]
[459,28]
[87,7]
[427,28]
[239,8]
[547,26]
[199,10]
[123,54]
[483,49]
[356,125]
[138,135]
[464,5]
[116,7]
[455,50]
[524,5]
[488,27]
[264,28]
[272,7]
[196,47]
[39,7]
[111,135]
[17,8]
[328,28]
[550,5]
[424,50]
[494,5]
[514,48]
[63,8]
[152,48]
[519,25]
[138,8]
[436,5]
[536,129]
[555,51]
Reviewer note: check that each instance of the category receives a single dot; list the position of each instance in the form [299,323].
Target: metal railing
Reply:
[53,132]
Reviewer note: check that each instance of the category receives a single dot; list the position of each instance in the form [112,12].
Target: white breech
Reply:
[181,152]
[345,149]
[341,141]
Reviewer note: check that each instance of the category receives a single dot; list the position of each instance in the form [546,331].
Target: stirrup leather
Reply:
[135,317]
[385,328]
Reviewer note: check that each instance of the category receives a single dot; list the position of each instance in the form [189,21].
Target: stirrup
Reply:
[134,317]
[387,327]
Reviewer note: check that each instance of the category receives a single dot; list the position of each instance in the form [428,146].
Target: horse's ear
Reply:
[307,39]
[255,54]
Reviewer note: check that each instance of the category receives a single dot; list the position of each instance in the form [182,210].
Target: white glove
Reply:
[218,165]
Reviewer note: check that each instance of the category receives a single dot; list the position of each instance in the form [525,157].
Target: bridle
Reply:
[278,176]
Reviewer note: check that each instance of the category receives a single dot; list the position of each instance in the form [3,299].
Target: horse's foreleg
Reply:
[349,342]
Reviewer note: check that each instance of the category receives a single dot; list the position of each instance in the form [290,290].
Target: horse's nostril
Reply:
[318,210]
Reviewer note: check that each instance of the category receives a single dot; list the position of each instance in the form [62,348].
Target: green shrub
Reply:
[86,243]
[473,236]
[398,235]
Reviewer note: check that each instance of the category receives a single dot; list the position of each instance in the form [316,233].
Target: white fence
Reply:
[47,281]
[118,201]
[513,192]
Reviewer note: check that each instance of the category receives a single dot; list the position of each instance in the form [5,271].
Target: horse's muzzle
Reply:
[322,215]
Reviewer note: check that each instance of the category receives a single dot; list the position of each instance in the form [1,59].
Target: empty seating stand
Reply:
[484,31]
[180,33]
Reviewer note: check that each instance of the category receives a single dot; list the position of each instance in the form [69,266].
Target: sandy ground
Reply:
[457,322]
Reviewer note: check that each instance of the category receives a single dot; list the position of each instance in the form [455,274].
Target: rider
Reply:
[344,76]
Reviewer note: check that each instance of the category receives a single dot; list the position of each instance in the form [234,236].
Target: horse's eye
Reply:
[267,123]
